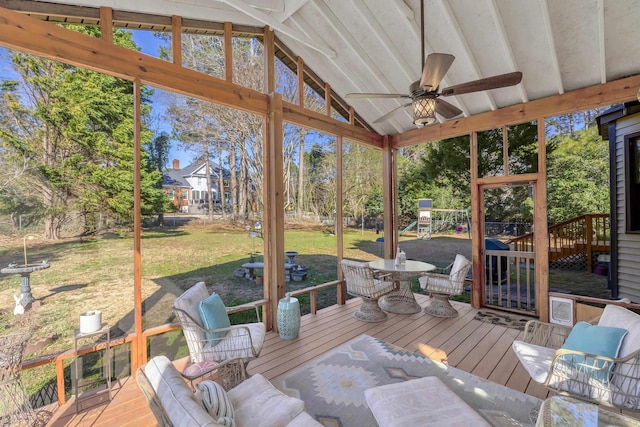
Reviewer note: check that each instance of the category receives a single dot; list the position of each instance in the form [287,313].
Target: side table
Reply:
[560,411]
[102,335]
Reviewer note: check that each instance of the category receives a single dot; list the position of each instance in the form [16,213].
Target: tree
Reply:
[578,176]
[75,127]
[158,158]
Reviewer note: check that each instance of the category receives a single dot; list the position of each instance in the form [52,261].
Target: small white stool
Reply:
[421,402]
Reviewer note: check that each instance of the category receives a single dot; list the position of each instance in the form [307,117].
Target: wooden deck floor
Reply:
[478,347]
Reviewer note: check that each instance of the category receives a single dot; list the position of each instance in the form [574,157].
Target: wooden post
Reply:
[327,98]
[477,224]
[176,39]
[505,150]
[269,61]
[273,220]
[352,115]
[540,228]
[106,23]
[300,72]
[342,289]
[228,52]
[138,350]
[389,189]
[588,219]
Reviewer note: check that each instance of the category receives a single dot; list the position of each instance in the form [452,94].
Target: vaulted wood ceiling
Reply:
[374,45]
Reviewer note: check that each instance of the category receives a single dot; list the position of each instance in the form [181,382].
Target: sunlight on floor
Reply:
[432,353]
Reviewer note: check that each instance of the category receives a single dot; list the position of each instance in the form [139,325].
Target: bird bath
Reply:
[25,271]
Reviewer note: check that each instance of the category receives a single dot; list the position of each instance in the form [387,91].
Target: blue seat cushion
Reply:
[214,316]
[599,340]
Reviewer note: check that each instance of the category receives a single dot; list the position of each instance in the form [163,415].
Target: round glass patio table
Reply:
[401,300]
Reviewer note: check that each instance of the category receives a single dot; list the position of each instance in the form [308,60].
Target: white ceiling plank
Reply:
[405,10]
[381,34]
[544,6]
[601,43]
[508,51]
[274,5]
[459,34]
[290,7]
[317,44]
[339,66]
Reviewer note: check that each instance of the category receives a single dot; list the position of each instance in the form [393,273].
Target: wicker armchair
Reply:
[209,347]
[15,408]
[362,282]
[442,286]
[603,380]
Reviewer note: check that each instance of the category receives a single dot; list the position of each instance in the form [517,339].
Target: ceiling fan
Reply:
[424,93]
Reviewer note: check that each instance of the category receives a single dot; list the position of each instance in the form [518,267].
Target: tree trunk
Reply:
[233,182]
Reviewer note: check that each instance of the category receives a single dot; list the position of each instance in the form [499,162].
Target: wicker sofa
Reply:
[256,402]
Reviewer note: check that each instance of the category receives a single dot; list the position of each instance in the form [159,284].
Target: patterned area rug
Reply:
[501,319]
[332,385]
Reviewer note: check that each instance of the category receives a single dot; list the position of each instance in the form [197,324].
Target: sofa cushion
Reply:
[236,343]
[175,395]
[214,400]
[593,339]
[621,317]
[214,315]
[257,403]
[420,402]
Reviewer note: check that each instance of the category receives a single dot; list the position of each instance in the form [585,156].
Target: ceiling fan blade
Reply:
[391,113]
[376,95]
[502,80]
[435,67]
[447,110]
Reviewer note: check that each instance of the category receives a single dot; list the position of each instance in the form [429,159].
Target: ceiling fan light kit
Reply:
[424,111]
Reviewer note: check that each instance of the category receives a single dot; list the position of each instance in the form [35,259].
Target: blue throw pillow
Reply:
[600,340]
[214,316]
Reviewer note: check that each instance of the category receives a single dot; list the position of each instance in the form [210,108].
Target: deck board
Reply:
[474,346]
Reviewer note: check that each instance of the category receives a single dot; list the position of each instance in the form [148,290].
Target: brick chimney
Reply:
[176,164]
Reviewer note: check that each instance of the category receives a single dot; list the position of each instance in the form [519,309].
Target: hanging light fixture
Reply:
[424,111]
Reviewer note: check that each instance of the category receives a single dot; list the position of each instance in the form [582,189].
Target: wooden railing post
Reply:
[588,219]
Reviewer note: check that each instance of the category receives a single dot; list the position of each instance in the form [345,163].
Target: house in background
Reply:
[187,187]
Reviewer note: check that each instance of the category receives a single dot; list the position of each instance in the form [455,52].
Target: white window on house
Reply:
[185,195]
[170,193]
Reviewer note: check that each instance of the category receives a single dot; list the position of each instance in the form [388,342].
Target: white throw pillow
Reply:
[215,401]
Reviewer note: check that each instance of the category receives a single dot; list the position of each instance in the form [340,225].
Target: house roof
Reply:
[374,45]
[178,177]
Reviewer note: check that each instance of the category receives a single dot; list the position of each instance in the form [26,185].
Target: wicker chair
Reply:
[210,347]
[603,380]
[15,408]
[362,282]
[442,286]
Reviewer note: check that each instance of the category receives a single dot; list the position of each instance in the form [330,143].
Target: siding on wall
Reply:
[628,244]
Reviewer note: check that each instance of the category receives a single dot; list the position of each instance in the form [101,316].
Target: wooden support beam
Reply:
[228,52]
[614,92]
[477,224]
[505,150]
[139,350]
[342,289]
[313,120]
[268,41]
[327,98]
[106,24]
[390,219]
[300,74]
[540,227]
[26,34]
[176,39]
[273,219]
[352,116]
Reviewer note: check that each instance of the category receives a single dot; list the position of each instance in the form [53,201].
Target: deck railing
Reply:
[587,233]
[59,358]
[509,280]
